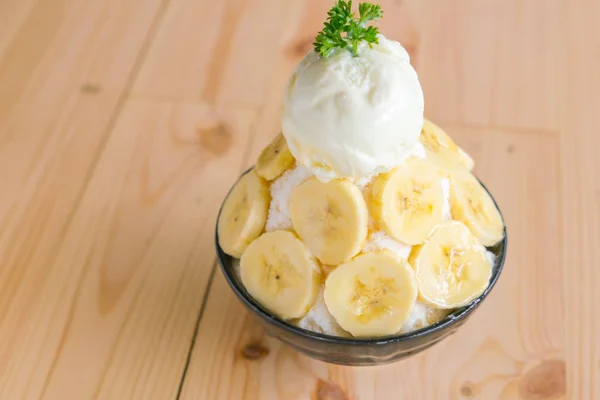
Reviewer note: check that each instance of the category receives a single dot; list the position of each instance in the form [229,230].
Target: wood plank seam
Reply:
[244,163]
[195,336]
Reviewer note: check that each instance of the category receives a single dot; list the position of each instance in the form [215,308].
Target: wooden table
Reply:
[124,122]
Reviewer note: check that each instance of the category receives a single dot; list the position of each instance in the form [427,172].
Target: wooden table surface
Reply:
[124,122]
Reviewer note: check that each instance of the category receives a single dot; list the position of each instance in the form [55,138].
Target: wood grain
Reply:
[494,63]
[123,124]
[579,183]
[150,217]
[52,128]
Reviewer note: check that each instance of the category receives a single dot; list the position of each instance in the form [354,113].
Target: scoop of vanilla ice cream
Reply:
[353,117]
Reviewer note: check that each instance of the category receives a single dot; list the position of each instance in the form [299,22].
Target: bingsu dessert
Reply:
[361,218]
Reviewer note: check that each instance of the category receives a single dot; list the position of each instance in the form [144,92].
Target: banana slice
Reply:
[244,214]
[465,159]
[274,159]
[440,148]
[408,201]
[279,272]
[472,204]
[331,218]
[451,267]
[372,295]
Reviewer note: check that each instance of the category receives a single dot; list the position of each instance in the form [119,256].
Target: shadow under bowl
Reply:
[358,351]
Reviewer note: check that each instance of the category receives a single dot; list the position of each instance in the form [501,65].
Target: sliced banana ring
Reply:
[440,148]
[451,267]
[244,214]
[279,272]
[372,295]
[274,159]
[472,204]
[465,159]
[408,201]
[331,218]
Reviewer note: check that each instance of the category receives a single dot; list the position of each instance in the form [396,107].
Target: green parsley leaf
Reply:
[343,30]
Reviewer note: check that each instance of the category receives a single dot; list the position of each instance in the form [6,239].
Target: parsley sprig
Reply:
[343,30]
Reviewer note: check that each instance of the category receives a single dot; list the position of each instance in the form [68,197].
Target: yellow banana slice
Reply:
[244,214]
[465,159]
[471,204]
[451,267]
[274,159]
[408,201]
[279,272]
[372,295]
[440,148]
[331,218]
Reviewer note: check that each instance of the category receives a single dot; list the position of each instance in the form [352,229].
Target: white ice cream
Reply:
[421,316]
[417,318]
[353,117]
[319,319]
[382,241]
[491,257]
[281,190]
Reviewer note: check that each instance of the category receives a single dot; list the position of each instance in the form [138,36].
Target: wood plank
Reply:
[12,15]
[492,62]
[579,181]
[63,69]
[519,328]
[128,281]
[113,269]
[230,57]
[100,288]
[74,319]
